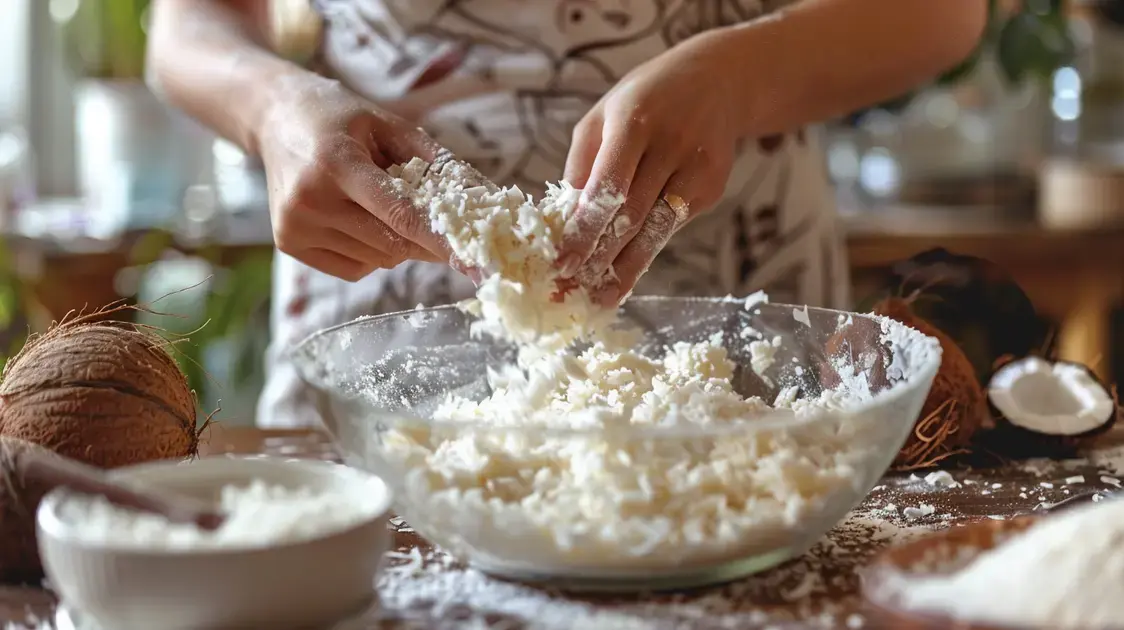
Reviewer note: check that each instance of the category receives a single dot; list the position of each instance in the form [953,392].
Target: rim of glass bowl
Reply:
[775,419]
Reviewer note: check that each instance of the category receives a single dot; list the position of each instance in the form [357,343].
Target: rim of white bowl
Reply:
[921,377]
[48,520]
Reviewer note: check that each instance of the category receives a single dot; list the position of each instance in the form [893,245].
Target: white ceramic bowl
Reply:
[306,584]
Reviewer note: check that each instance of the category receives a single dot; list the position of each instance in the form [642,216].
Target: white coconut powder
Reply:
[1066,572]
[257,515]
[604,499]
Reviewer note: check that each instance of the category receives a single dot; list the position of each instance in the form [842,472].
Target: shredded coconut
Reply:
[1040,578]
[921,511]
[257,515]
[582,492]
[513,242]
[941,479]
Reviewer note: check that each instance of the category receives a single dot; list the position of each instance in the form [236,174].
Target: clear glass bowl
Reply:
[378,381]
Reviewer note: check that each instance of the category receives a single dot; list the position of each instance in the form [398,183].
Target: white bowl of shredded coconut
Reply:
[696,441]
[300,547]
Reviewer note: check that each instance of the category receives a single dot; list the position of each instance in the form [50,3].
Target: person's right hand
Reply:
[332,205]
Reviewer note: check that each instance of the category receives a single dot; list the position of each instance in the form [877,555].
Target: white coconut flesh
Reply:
[1050,398]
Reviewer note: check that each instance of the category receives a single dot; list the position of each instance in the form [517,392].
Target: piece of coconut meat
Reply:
[1060,398]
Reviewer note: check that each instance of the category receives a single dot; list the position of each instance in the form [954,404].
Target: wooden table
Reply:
[424,588]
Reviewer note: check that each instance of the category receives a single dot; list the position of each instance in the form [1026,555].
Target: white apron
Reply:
[501,83]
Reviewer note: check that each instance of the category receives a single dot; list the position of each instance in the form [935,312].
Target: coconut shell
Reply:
[19,551]
[1008,439]
[975,302]
[956,407]
[107,394]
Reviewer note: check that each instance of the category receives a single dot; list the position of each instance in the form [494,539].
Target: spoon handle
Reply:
[51,470]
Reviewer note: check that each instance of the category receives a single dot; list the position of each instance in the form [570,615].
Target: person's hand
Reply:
[332,204]
[652,154]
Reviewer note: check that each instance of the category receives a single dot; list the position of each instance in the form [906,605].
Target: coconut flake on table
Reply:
[434,590]
[921,511]
[941,479]
[1039,578]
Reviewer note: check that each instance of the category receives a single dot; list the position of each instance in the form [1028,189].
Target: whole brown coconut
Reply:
[19,552]
[956,406]
[107,394]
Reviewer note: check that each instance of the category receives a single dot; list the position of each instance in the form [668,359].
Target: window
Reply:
[14,25]
[35,90]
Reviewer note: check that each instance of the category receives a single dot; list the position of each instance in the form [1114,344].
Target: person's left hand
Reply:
[653,153]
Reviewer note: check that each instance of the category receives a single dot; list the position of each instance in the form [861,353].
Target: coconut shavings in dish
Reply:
[257,515]
[1066,572]
[604,499]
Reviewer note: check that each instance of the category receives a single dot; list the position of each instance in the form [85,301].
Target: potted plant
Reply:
[135,156]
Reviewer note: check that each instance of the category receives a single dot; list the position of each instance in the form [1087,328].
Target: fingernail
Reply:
[570,265]
[607,297]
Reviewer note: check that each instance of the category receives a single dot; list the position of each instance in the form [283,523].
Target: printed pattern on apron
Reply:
[502,83]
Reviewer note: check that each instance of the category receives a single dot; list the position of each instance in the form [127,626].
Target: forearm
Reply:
[824,58]
[208,57]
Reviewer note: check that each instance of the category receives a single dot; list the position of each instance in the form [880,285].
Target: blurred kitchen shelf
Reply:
[1073,277]
[60,227]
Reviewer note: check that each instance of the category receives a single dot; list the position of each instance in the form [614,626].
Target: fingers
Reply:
[372,257]
[651,177]
[375,191]
[634,260]
[693,188]
[584,145]
[332,263]
[361,226]
[609,181]
[338,254]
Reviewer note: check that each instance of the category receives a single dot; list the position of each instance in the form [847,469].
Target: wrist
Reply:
[276,92]
[759,83]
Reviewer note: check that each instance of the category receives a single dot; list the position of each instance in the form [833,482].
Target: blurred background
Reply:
[1016,156]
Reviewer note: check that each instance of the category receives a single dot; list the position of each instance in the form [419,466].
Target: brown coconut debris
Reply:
[107,393]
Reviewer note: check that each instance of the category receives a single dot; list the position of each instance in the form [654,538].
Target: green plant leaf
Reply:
[106,38]
[1033,46]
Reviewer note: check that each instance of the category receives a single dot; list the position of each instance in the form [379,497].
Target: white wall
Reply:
[51,107]
[14,25]
[35,91]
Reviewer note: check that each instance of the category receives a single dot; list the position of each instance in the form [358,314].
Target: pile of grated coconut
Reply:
[578,501]
[257,514]
[1066,573]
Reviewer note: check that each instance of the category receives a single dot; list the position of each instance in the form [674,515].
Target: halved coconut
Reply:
[1052,398]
